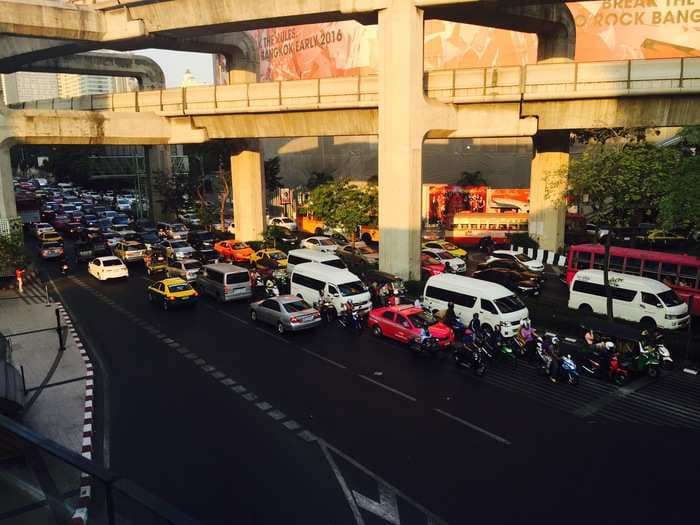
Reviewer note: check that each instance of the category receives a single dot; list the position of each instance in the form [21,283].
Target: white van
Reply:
[635,298]
[339,285]
[494,303]
[304,255]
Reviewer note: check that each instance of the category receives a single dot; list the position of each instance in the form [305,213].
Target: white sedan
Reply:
[531,264]
[104,268]
[454,264]
[284,222]
[320,243]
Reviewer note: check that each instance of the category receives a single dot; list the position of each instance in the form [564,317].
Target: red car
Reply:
[404,323]
[430,266]
[235,251]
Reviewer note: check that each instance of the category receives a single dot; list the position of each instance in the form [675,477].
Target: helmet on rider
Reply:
[610,345]
[555,340]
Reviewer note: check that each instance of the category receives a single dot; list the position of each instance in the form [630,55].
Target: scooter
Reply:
[568,370]
[498,347]
[351,321]
[64,268]
[615,373]
[664,354]
[471,355]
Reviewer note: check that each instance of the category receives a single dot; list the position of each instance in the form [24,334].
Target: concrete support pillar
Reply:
[243,65]
[159,167]
[547,212]
[400,141]
[248,187]
[8,208]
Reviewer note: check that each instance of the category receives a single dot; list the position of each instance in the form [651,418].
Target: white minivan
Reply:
[494,303]
[304,255]
[339,285]
[639,299]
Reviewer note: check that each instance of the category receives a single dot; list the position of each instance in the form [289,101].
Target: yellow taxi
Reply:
[170,293]
[448,247]
[49,237]
[269,258]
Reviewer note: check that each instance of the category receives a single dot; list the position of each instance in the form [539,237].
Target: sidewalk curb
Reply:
[81,512]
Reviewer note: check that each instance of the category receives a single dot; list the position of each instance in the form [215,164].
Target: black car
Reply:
[201,239]
[281,238]
[515,281]
[206,256]
[142,226]
[513,265]
[149,238]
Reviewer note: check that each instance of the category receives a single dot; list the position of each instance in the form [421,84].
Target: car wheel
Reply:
[585,309]
[253,316]
[280,327]
[376,330]
[165,304]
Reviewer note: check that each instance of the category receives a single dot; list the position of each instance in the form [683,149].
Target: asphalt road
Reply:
[232,423]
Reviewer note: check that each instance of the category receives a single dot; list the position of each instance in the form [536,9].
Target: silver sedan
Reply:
[285,313]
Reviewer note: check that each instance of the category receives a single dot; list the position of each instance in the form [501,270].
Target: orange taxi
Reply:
[235,251]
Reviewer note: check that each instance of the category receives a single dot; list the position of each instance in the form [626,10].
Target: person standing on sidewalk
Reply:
[19,275]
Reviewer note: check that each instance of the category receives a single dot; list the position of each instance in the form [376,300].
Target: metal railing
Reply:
[43,482]
[461,86]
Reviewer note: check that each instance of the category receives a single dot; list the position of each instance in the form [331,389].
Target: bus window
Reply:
[689,276]
[651,269]
[633,266]
[598,261]
[669,273]
[616,263]
[584,260]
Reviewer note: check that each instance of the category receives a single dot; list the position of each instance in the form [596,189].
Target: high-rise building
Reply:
[24,86]
[79,85]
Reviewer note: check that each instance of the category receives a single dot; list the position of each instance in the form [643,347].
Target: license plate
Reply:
[238,291]
[306,318]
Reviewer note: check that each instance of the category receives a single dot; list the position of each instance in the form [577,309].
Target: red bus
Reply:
[679,272]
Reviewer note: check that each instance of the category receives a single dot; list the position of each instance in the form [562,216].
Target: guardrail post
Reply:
[629,74]
[680,80]
[279,92]
[61,344]
[318,91]
[484,83]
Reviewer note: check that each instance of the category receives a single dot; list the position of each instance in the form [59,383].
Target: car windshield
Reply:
[446,255]
[111,262]
[670,298]
[509,304]
[296,306]
[179,244]
[326,242]
[179,287]
[178,228]
[352,288]
[422,319]
[286,219]
[278,256]
[194,265]
[522,257]
[239,246]
[335,263]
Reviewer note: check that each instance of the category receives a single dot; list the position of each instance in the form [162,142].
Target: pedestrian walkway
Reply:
[37,488]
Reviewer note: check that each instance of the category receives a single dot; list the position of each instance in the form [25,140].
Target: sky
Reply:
[175,63]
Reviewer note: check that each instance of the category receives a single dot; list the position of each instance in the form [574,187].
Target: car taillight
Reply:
[171,298]
[294,320]
[195,293]
[225,289]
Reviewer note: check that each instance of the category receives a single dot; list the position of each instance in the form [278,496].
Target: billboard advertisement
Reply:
[605,30]
[443,201]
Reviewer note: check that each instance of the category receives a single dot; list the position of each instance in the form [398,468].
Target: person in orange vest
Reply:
[19,274]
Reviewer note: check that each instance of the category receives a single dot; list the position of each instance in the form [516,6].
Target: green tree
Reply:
[316,178]
[340,204]
[471,178]
[680,204]
[622,182]
[273,181]
[12,253]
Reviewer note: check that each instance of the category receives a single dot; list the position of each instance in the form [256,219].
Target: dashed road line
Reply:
[473,426]
[388,388]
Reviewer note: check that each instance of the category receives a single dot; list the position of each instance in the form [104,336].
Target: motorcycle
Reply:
[64,269]
[326,309]
[592,365]
[568,370]
[498,347]
[664,354]
[271,290]
[353,321]
[425,346]
[645,360]
[471,355]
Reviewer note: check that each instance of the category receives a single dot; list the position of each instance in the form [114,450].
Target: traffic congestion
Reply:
[471,311]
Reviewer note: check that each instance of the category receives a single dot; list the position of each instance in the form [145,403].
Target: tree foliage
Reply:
[316,178]
[343,205]
[471,178]
[12,252]
[273,181]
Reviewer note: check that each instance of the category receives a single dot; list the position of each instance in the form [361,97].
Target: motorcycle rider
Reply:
[64,267]
[604,355]
[450,316]
[271,288]
[527,336]
[475,323]
[556,360]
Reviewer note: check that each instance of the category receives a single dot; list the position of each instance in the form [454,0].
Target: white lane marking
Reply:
[327,448]
[343,485]
[307,436]
[250,396]
[239,389]
[292,425]
[263,405]
[473,427]
[277,415]
[322,358]
[228,382]
[235,318]
[386,508]
[386,387]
